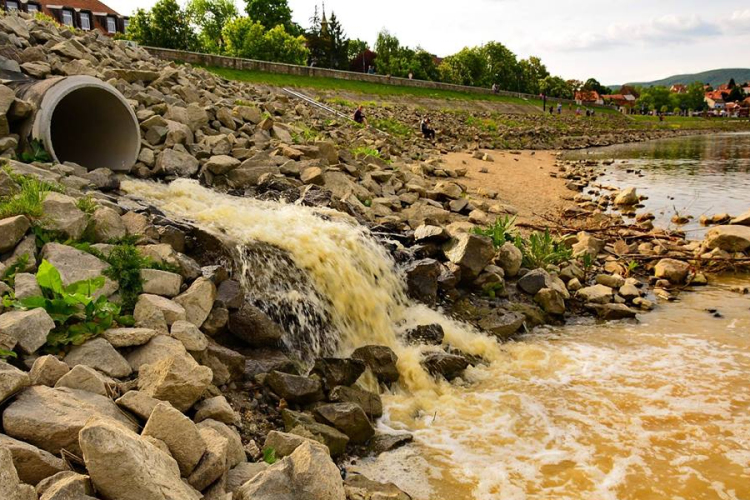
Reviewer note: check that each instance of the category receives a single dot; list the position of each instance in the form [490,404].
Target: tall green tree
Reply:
[532,72]
[166,25]
[502,67]
[356,47]
[423,65]
[337,45]
[250,39]
[593,84]
[211,16]
[554,86]
[388,49]
[272,13]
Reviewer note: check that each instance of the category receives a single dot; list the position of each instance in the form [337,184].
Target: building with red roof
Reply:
[85,15]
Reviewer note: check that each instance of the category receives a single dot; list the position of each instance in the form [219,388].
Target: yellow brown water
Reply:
[655,410]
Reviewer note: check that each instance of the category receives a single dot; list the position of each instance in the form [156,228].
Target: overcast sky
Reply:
[615,42]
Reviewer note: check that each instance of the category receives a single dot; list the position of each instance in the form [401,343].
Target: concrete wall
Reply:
[291,69]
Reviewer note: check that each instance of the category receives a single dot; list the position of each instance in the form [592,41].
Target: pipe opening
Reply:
[94,128]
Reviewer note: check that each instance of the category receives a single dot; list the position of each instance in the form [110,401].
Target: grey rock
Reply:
[28,329]
[254,327]
[294,388]
[61,214]
[100,355]
[13,230]
[381,360]
[180,435]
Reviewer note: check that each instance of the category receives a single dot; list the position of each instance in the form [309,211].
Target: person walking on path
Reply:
[427,131]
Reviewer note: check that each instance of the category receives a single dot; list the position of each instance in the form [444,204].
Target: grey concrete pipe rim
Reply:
[42,126]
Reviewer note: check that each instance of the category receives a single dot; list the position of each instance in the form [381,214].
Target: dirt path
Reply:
[521,180]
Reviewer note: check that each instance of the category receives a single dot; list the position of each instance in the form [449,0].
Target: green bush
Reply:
[393,127]
[366,151]
[87,204]
[78,316]
[541,249]
[36,152]
[500,232]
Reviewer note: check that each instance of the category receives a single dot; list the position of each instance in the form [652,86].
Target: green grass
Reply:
[392,126]
[28,201]
[378,89]
[366,151]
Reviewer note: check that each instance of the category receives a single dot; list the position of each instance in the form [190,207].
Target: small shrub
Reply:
[393,127]
[78,316]
[366,151]
[36,152]
[541,249]
[500,232]
[5,354]
[87,204]
[28,201]
[126,263]
[269,456]
[341,102]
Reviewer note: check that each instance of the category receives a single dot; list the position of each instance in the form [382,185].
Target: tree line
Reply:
[266,31]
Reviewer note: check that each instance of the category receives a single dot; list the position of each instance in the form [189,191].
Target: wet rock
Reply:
[426,334]
[52,418]
[122,465]
[597,294]
[267,360]
[100,355]
[254,327]
[533,281]
[471,253]
[230,294]
[294,388]
[612,281]
[742,220]
[26,330]
[179,433]
[13,230]
[177,379]
[612,312]
[443,364]
[103,179]
[627,196]
[629,291]
[551,301]
[338,371]
[733,238]
[502,325]
[62,215]
[381,360]
[368,401]
[381,443]
[173,162]
[422,279]
[358,487]
[307,474]
[673,270]
[347,418]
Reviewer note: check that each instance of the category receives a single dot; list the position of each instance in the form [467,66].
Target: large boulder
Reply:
[178,163]
[75,265]
[502,324]
[422,279]
[179,433]
[294,388]
[443,364]
[99,354]
[347,418]
[198,300]
[307,474]
[124,466]
[510,258]
[338,371]
[597,294]
[732,238]
[627,197]
[62,215]
[381,360]
[52,418]
[254,327]
[26,330]
[471,253]
[32,463]
[13,230]
[370,402]
[176,379]
[10,485]
[673,270]
[107,225]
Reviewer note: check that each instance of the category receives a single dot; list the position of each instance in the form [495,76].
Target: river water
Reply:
[692,175]
[649,410]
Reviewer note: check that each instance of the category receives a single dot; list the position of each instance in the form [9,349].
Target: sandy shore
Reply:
[521,180]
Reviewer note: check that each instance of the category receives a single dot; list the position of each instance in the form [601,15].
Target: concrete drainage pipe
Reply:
[83,120]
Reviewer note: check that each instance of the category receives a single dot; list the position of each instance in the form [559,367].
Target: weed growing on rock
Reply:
[269,456]
[500,232]
[393,127]
[9,276]
[541,249]
[36,152]
[366,151]
[5,354]
[77,314]
[28,201]
[87,204]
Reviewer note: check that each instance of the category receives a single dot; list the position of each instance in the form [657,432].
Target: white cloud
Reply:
[740,21]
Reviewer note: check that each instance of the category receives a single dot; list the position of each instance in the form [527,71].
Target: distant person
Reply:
[359,116]
[411,75]
[559,108]
[427,131]
[588,113]
[371,70]
[551,110]
[494,88]
[578,111]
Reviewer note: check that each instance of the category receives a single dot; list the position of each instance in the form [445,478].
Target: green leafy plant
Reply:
[500,232]
[631,268]
[5,354]
[78,316]
[269,456]
[36,152]
[126,263]
[492,289]
[541,249]
[588,263]
[28,200]
[366,151]
[393,127]
[9,276]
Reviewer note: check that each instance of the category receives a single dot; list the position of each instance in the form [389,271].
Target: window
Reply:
[111,25]
[67,18]
[11,5]
[85,21]
[125,24]
[32,8]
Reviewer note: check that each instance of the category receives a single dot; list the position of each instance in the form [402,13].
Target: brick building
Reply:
[85,15]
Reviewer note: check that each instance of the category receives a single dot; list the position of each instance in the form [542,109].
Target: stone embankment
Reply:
[137,367]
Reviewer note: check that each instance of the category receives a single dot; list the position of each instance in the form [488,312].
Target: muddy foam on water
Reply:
[657,410]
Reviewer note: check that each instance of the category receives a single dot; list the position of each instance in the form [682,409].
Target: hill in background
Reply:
[714,78]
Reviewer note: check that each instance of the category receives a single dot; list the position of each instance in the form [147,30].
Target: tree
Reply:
[501,67]
[337,45]
[423,65]
[166,25]
[466,67]
[272,13]
[532,73]
[249,39]
[736,94]
[655,98]
[210,16]
[356,47]
[554,86]
[387,47]
[593,84]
